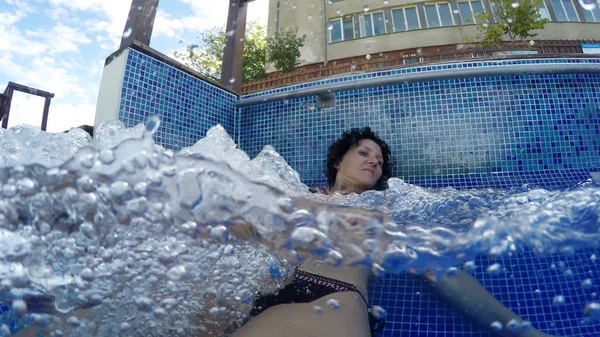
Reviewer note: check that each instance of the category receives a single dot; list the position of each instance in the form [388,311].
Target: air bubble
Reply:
[587,284]
[496,326]
[124,326]
[87,161]
[378,312]
[592,310]
[366,8]
[589,5]
[513,326]
[317,309]
[333,304]
[106,157]
[177,273]
[127,32]
[143,304]
[515,4]
[20,307]
[494,269]
[73,321]
[558,300]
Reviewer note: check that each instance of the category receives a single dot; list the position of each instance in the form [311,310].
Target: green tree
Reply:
[207,56]
[283,49]
[514,18]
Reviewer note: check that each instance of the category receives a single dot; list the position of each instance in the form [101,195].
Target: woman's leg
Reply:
[468,295]
[301,319]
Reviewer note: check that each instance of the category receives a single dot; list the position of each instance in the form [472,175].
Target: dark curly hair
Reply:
[350,139]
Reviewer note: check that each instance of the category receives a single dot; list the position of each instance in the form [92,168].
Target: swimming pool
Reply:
[538,130]
[501,131]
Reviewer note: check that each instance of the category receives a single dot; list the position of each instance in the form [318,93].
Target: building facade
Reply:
[337,29]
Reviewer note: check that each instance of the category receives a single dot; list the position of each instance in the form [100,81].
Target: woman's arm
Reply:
[468,295]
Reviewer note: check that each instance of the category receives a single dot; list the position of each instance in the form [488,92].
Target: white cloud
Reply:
[56,55]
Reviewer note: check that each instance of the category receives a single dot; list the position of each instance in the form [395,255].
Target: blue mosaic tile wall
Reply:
[527,285]
[187,105]
[481,132]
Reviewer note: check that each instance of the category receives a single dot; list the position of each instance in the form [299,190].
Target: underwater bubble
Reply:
[159,313]
[20,307]
[494,269]
[378,271]
[27,187]
[124,326]
[515,4]
[587,283]
[378,312]
[220,234]
[526,326]
[317,309]
[87,161]
[5,330]
[513,326]
[217,311]
[73,321]
[177,273]
[592,310]
[470,266]
[333,304]
[589,5]
[452,271]
[143,304]
[496,326]
[88,275]
[558,300]
[334,258]
[366,8]
[127,32]
[9,191]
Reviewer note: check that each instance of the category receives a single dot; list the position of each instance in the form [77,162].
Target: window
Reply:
[592,15]
[438,15]
[372,24]
[543,11]
[341,29]
[467,9]
[405,19]
[565,10]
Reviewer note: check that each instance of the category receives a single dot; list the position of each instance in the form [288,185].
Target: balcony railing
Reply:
[410,57]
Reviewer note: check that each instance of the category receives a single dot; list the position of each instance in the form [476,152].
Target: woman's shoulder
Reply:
[320,190]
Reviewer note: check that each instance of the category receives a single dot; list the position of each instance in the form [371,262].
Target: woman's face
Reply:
[361,166]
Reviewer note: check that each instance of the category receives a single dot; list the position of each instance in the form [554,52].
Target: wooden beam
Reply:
[139,22]
[231,71]
[5,107]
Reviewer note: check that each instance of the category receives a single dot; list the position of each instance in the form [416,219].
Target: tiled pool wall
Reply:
[480,132]
[187,106]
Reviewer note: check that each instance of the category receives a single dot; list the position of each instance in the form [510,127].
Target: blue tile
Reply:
[187,106]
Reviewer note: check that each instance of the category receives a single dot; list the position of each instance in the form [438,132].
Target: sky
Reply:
[60,46]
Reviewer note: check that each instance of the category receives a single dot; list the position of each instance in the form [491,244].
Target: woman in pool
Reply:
[359,161]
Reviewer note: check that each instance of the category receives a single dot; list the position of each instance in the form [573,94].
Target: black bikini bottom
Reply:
[305,287]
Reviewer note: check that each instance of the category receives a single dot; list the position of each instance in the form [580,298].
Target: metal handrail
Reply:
[433,75]
[6,100]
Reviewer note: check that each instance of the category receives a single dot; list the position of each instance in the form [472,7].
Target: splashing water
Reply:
[184,240]
[589,5]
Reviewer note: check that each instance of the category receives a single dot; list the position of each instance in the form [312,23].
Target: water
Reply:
[161,243]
